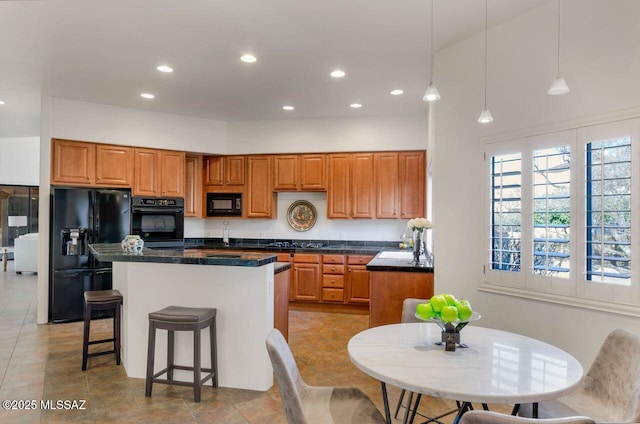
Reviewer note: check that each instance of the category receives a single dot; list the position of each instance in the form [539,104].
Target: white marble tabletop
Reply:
[497,366]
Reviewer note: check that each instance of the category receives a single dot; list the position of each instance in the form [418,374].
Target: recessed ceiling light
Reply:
[1,102]
[248,58]
[338,73]
[396,92]
[165,68]
[355,105]
[147,96]
[288,107]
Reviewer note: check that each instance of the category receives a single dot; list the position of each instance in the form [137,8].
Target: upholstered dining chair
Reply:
[488,417]
[304,404]
[409,315]
[609,392]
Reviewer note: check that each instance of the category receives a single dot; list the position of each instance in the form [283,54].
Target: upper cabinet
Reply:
[350,189]
[158,173]
[260,201]
[300,172]
[193,186]
[172,173]
[224,170]
[92,164]
[412,184]
[386,184]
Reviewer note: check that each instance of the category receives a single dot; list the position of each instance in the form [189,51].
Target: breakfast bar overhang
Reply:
[240,286]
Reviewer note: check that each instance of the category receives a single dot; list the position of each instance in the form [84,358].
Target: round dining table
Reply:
[494,366]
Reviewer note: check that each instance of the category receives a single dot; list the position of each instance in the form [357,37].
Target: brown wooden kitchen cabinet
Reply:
[193,186]
[386,185]
[306,277]
[172,173]
[300,172]
[338,193]
[333,278]
[158,173]
[389,289]
[412,184]
[362,197]
[281,286]
[350,189]
[224,171]
[357,279]
[114,166]
[260,201]
[73,162]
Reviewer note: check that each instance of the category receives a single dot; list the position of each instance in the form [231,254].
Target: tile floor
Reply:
[42,362]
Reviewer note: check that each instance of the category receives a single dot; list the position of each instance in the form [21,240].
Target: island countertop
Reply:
[398,261]
[112,252]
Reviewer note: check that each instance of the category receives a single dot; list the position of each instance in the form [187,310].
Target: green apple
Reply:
[437,302]
[449,314]
[451,299]
[464,311]
[425,311]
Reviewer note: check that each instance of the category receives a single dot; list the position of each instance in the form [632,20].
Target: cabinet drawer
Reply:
[306,258]
[332,259]
[332,269]
[333,281]
[284,257]
[359,259]
[333,295]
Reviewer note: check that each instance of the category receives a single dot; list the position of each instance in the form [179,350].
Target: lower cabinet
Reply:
[358,279]
[306,277]
[333,278]
[281,283]
[390,289]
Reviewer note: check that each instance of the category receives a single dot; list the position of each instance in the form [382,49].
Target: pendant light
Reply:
[431,95]
[559,85]
[485,116]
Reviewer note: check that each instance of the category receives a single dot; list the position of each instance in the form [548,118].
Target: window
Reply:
[562,222]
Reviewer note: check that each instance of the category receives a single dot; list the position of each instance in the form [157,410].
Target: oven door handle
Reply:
[157,210]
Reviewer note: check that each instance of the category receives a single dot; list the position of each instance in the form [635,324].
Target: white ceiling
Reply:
[106,51]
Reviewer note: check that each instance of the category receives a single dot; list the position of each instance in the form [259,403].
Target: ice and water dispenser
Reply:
[74,241]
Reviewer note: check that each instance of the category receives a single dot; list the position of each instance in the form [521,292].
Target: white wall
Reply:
[600,61]
[20,161]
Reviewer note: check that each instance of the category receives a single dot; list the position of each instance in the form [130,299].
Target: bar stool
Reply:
[177,318]
[101,300]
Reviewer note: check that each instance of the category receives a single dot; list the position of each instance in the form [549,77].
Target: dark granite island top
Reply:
[112,252]
[398,261]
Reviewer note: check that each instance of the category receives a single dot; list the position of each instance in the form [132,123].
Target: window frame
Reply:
[576,290]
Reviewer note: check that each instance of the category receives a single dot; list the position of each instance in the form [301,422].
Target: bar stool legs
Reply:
[176,318]
[101,300]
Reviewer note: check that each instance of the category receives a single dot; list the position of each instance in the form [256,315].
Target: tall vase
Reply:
[417,245]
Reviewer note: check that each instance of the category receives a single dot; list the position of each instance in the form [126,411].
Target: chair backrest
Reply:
[488,417]
[409,309]
[288,377]
[614,376]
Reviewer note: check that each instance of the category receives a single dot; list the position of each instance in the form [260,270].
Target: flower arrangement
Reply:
[419,224]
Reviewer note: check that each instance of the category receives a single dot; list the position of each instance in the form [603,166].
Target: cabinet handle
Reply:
[333,259]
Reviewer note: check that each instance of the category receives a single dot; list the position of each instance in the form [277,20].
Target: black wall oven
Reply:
[158,221]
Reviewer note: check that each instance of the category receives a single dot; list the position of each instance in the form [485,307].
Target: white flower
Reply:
[419,224]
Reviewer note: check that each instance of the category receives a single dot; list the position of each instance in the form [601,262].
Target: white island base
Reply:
[243,297]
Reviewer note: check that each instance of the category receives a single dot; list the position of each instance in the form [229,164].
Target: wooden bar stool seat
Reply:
[101,300]
[177,318]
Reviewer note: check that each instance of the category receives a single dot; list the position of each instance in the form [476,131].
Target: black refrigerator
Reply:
[79,217]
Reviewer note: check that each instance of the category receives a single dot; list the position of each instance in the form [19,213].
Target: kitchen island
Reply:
[240,285]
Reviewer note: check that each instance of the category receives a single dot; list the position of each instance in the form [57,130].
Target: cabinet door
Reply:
[260,196]
[172,173]
[386,184]
[306,281]
[146,172]
[285,172]
[234,170]
[313,172]
[193,186]
[213,170]
[357,284]
[362,185]
[412,184]
[338,188]
[73,162]
[114,166]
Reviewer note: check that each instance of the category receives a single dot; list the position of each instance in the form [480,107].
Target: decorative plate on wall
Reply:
[301,215]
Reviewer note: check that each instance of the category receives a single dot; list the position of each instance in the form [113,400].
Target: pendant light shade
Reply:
[485,116]
[559,85]
[431,94]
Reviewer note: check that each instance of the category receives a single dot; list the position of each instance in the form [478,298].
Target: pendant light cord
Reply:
[558,38]
[431,44]
[486,13]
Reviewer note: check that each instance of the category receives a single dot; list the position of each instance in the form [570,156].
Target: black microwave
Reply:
[224,204]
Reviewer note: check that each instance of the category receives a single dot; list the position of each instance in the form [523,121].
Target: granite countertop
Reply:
[328,246]
[112,252]
[398,261]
